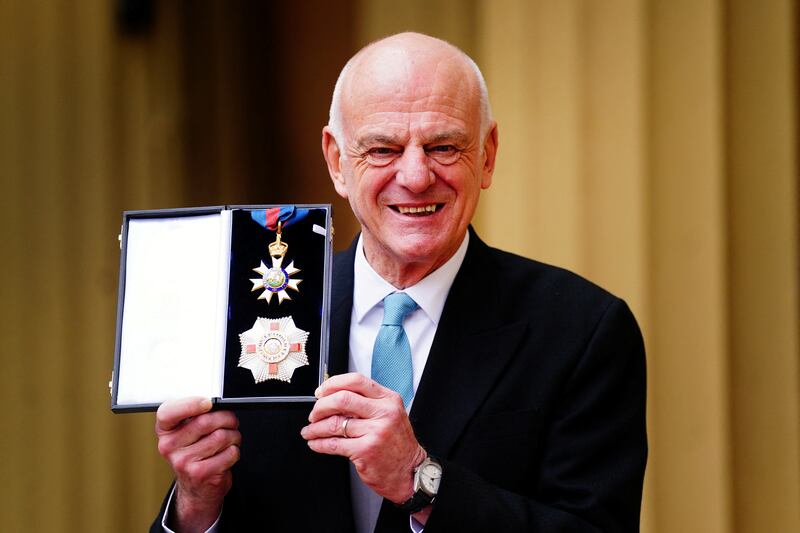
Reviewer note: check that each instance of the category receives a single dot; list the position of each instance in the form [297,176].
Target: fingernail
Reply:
[205,404]
[317,392]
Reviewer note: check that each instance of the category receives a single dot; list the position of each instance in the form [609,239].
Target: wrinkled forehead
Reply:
[410,80]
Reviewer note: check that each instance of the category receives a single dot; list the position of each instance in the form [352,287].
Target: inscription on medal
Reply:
[275,347]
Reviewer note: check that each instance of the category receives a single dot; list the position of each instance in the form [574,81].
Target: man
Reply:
[525,396]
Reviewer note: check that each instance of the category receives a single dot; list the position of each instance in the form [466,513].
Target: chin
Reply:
[417,249]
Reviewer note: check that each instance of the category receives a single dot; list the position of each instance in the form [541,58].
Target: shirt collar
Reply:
[430,293]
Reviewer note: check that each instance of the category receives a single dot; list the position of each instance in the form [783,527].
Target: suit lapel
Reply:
[471,348]
[339,331]
[341,310]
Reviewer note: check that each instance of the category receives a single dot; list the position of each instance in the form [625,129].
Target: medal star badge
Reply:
[273,349]
[276,279]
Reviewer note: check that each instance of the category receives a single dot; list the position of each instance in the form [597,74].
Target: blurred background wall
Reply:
[650,145]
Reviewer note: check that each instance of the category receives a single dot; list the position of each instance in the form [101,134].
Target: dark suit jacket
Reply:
[533,397]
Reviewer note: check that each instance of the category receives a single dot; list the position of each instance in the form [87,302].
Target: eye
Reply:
[444,153]
[381,155]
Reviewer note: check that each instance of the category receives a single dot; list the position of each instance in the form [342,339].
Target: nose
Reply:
[414,172]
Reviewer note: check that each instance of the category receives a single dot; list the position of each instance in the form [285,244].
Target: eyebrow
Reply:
[453,136]
[377,138]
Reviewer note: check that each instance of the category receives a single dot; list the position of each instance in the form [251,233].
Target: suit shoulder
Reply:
[517,266]
[558,304]
[555,287]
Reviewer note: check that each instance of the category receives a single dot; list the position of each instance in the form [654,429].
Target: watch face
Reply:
[430,477]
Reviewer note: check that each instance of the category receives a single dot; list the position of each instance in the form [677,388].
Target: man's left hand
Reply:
[379,442]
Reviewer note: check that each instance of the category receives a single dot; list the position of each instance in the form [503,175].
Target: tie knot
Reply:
[395,308]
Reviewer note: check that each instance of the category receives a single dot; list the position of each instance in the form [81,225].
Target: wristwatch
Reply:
[427,477]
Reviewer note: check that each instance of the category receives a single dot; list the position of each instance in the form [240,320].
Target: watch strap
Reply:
[417,502]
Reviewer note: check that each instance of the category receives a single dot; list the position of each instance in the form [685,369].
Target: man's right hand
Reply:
[201,447]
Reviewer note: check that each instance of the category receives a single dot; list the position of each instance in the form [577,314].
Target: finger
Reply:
[352,381]
[334,446]
[226,458]
[185,460]
[200,426]
[345,403]
[172,412]
[213,443]
[211,466]
[334,427]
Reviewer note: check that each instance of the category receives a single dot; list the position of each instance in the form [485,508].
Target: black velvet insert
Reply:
[249,242]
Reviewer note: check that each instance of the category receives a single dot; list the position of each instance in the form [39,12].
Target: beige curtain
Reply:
[650,146]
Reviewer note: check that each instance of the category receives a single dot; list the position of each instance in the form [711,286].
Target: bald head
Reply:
[403,58]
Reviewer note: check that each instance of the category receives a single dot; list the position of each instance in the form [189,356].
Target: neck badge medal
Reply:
[276,279]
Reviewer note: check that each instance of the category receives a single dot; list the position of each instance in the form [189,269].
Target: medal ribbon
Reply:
[287,215]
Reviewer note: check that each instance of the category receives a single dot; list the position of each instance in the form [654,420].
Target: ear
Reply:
[489,156]
[333,157]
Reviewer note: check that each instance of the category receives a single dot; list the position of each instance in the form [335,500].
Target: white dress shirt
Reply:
[369,290]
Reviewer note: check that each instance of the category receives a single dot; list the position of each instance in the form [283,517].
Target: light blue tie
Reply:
[391,356]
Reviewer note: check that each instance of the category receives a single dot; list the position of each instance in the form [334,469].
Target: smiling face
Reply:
[411,160]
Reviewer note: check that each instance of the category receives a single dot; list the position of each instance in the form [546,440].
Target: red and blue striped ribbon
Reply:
[286,214]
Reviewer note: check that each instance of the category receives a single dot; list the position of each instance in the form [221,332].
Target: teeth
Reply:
[427,208]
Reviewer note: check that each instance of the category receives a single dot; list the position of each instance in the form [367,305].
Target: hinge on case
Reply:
[111,384]
[119,237]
